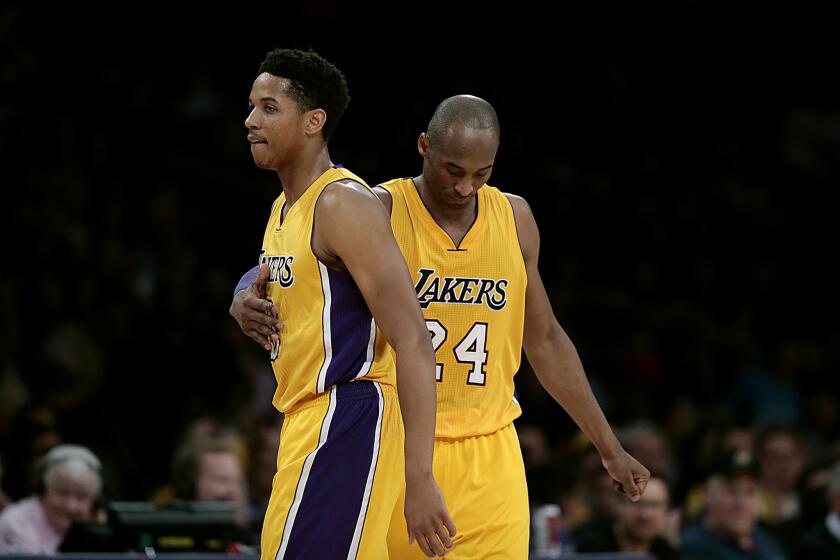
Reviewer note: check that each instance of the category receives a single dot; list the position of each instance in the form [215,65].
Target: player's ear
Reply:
[423,144]
[314,121]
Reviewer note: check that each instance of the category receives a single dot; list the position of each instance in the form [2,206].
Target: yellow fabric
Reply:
[299,437]
[483,480]
[297,288]
[473,300]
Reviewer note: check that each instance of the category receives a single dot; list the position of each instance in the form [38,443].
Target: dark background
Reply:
[683,175]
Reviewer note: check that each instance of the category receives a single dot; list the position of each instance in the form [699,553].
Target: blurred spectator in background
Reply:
[262,466]
[536,451]
[208,470]
[729,530]
[771,395]
[714,443]
[556,483]
[72,368]
[13,396]
[599,502]
[70,486]
[598,490]
[782,458]
[813,487]
[4,499]
[649,444]
[822,542]
[34,433]
[642,527]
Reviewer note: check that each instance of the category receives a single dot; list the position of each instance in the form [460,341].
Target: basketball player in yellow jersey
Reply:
[341,289]
[472,251]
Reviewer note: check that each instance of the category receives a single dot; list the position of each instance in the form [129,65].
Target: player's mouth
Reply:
[254,139]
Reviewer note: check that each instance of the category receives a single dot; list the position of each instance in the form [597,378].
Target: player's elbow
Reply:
[550,340]
[415,342]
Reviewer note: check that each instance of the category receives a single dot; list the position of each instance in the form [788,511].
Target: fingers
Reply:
[640,477]
[433,541]
[446,530]
[261,305]
[260,339]
[261,281]
[437,545]
[267,307]
[256,312]
[631,488]
[261,328]
[424,546]
[263,335]
[260,322]
[641,482]
[261,312]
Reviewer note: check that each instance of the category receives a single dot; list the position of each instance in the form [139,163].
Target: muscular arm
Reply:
[256,316]
[557,365]
[384,196]
[352,230]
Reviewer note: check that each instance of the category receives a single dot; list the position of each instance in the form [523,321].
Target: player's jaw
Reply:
[270,151]
[460,196]
[260,151]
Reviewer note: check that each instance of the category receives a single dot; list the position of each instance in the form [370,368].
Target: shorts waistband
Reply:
[351,391]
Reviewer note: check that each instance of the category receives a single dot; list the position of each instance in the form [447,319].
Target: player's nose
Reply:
[464,189]
[250,121]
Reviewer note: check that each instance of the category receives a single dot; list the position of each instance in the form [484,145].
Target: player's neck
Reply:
[459,217]
[299,174]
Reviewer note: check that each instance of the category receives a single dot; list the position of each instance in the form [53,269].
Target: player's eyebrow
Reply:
[264,99]
[455,165]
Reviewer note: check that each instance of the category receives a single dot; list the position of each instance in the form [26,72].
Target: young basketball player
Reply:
[340,285]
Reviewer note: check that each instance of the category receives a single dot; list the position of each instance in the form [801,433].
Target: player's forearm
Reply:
[558,368]
[416,390]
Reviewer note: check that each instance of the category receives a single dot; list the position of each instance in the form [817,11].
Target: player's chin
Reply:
[261,162]
[462,200]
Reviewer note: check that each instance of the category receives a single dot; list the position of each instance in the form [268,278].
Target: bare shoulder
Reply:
[519,204]
[345,195]
[526,226]
[385,196]
[350,195]
[347,215]
[345,189]
[521,212]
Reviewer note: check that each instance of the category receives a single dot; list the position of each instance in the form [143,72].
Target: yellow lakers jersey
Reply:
[330,336]
[473,300]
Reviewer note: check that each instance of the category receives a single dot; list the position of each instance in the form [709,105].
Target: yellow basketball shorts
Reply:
[340,469]
[483,481]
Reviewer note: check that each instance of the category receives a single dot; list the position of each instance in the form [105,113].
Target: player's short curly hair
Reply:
[314,82]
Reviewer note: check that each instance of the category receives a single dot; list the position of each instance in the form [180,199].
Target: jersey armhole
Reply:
[515,228]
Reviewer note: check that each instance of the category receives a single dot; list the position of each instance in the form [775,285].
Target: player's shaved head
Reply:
[472,112]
